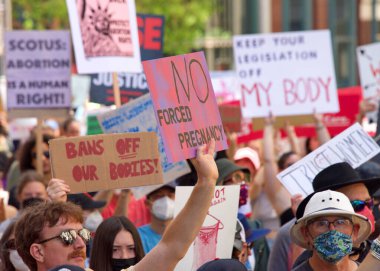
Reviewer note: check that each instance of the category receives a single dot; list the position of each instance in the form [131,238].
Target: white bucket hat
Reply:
[328,203]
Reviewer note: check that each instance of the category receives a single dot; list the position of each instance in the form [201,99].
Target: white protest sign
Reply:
[38,69]
[225,84]
[369,70]
[138,116]
[216,237]
[290,73]
[353,146]
[105,36]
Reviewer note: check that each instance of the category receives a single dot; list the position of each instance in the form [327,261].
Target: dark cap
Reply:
[223,265]
[227,167]
[342,174]
[66,267]
[85,201]
[251,235]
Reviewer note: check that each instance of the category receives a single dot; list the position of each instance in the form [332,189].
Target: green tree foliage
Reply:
[185,20]
[39,14]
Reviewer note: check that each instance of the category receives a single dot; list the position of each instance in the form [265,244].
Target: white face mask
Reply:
[93,221]
[17,262]
[163,208]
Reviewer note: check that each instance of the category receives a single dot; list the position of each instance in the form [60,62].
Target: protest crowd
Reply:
[180,177]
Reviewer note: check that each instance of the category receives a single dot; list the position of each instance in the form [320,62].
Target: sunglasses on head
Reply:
[359,205]
[68,237]
[45,153]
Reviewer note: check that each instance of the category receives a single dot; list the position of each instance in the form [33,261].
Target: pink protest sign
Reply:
[184,103]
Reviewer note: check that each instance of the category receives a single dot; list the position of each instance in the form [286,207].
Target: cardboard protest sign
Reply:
[38,70]
[105,35]
[231,117]
[353,146]
[290,73]
[216,237]
[100,162]
[185,105]
[138,116]
[132,85]
[369,70]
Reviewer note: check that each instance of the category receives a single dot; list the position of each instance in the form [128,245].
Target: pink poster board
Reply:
[184,103]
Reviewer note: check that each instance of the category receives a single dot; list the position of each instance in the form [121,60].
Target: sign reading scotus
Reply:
[38,69]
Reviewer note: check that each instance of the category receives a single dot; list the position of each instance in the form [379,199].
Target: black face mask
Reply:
[118,264]
[31,202]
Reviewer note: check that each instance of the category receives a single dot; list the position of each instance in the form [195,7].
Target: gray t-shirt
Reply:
[279,255]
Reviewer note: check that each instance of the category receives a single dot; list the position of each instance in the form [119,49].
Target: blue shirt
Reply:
[149,238]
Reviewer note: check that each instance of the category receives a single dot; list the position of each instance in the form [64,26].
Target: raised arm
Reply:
[277,194]
[184,228]
[292,138]
[323,134]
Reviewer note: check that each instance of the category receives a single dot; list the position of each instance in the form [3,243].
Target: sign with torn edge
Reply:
[101,162]
[353,146]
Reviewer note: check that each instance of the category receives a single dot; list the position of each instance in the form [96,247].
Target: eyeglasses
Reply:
[10,245]
[237,177]
[68,237]
[45,153]
[323,225]
[359,205]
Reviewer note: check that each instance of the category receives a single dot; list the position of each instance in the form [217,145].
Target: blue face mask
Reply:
[333,245]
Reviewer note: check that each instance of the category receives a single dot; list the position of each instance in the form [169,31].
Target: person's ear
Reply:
[37,252]
[355,232]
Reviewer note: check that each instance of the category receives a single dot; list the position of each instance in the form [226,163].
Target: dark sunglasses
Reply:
[45,153]
[68,237]
[10,245]
[359,205]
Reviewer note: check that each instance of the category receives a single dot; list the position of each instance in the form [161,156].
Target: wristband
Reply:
[375,249]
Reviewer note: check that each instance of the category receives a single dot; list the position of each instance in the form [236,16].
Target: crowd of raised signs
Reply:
[44,227]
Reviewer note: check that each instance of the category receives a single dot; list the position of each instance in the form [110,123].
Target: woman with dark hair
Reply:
[27,160]
[28,155]
[10,260]
[117,245]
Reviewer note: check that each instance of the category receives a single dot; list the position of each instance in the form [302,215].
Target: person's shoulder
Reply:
[131,268]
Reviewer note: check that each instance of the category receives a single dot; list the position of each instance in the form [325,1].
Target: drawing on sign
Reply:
[206,241]
[105,28]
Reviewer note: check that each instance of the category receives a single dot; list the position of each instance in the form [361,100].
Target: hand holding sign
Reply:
[57,190]
[204,163]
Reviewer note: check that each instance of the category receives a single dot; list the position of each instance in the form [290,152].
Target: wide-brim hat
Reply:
[342,174]
[223,265]
[327,203]
[227,167]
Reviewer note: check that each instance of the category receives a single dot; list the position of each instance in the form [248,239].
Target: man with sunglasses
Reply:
[52,234]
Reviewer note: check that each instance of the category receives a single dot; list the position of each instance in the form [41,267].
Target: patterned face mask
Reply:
[333,245]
